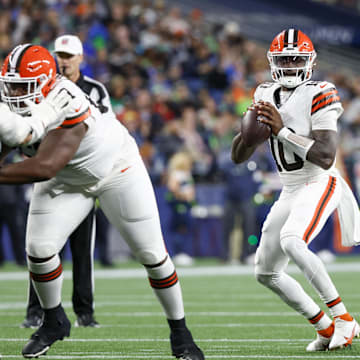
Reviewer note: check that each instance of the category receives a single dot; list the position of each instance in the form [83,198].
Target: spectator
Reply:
[181,198]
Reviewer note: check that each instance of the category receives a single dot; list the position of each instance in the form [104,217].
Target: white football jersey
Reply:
[106,142]
[305,110]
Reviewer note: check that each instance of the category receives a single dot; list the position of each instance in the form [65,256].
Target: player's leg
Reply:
[82,251]
[312,207]
[129,203]
[271,260]
[52,218]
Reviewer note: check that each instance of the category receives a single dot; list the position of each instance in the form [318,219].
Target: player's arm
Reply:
[323,150]
[55,151]
[320,149]
[18,130]
[239,151]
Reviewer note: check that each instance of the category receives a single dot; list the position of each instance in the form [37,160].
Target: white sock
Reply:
[336,307]
[47,278]
[320,321]
[164,281]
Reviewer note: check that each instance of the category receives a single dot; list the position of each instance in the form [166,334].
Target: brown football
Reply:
[253,131]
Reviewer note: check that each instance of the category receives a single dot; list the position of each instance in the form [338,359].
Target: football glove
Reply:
[48,114]
[13,130]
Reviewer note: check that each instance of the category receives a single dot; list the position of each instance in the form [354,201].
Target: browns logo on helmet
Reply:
[28,73]
[291,57]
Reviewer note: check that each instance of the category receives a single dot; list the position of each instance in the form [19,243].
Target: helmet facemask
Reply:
[291,70]
[291,63]
[15,90]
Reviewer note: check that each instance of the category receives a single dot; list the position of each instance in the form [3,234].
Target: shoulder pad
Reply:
[79,107]
[267,84]
[264,87]
[325,95]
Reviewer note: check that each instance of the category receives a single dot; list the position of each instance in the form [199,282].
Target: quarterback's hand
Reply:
[271,116]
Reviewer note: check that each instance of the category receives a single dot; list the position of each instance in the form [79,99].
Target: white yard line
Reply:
[239,325]
[220,270]
[153,356]
[167,340]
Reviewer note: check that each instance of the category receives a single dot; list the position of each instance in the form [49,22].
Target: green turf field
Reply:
[230,315]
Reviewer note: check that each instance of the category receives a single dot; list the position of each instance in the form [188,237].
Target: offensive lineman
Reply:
[302,115]
[77,157]
[69,53]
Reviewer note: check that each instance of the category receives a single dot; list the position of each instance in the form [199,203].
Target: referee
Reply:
[69,55]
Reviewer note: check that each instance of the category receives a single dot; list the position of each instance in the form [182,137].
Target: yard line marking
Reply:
[146,356]
[190,313]
[219,270]
[166,340]
[248,325]
[131,326]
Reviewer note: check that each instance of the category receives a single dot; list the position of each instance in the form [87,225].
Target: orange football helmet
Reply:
[28,73]
[291,57]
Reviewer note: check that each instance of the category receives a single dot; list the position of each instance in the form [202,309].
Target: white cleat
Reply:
[344,333]
[321,343]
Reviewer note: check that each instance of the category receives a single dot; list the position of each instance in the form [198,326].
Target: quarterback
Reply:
[303,117]
[75,156]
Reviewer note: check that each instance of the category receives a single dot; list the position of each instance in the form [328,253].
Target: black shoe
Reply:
[46,335]
[86,320]
[32,321]
[183,346]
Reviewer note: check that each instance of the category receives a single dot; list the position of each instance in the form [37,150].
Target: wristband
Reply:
[300,145]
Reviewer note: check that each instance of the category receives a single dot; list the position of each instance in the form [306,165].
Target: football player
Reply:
[302,115]
[69,53]
[76,157]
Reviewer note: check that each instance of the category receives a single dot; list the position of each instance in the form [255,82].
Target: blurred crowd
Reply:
[178,82]
[349,4]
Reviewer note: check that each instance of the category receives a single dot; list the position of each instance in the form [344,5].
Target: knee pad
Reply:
[268,280]
[147,257]
[264,279]
[45,250]
[292,245]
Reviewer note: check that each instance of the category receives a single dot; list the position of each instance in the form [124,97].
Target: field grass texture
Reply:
[230,315]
